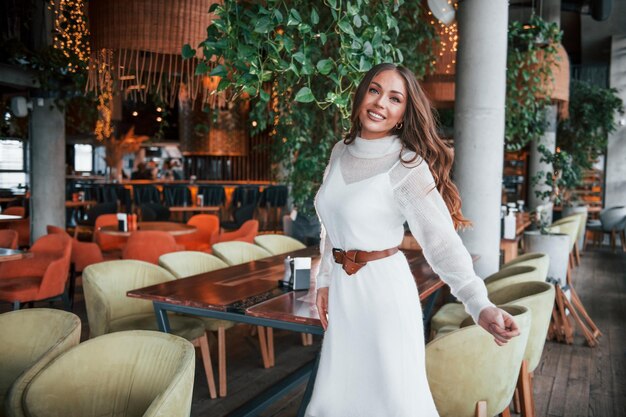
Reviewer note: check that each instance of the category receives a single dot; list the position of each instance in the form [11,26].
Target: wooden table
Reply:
[77,204]
[175,229]
[249,293]
[13,254]
[510,246]
[6,218]
[195,209]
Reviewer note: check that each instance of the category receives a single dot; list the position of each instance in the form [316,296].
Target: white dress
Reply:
[372,361]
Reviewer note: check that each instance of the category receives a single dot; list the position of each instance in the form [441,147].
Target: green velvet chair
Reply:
[278,244]
[541,261]
[451,315]
[470,375]
[125,374]
[109,310]
[235,252]
[30,340]
[538,298]
[185,264]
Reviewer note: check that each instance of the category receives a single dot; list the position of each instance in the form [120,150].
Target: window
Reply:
[83,158]
[12,163]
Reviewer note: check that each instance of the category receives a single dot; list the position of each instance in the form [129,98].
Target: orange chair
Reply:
[246,233]
[83,255]
[8,239]
[21,226]
[42,277]
[108,243]
[207,231]
[149,245]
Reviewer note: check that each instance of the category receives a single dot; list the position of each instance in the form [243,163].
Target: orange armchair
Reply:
[8,239]
[149,245]
[21,226]
[108,243]
[246,233]
[207,231]
[42,277]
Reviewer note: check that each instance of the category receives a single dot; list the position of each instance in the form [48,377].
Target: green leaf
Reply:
[278,15]
[346,27]
[263,25]
[219,71]
[356,20]
[299,56]
[323,38]
[304,95]
[264,96]
[324,66]
[188,51]
[367,49]
[304,28]
[213,7]
[201,68]
[332,3]
[294,18]
[315,18]
[364,65]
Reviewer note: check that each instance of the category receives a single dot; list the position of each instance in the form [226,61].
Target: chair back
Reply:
[512,275]
[148,245]
[245,195]
[108,242]
[105,285]
[569,228]
[143,194]
[206,233]
[246,233]
[213,195]
[538,298]
[235,253]
[470,363]
[117,194]
[580,217]
[98,210]
[274,196]
[57,271]
[83,253]
[176,195]
[243,214]
[188,263]
[154,212]
[31,339]
[131,373]
[613,218]
[539,260]
[278,244]
[8,239]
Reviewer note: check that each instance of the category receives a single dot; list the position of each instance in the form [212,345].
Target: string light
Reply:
[448,40]
[71,35]
[104,130]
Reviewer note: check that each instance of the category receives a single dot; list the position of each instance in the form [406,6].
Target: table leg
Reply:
[309,388]
[162,320]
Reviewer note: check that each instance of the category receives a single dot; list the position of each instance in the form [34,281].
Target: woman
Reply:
[391,168]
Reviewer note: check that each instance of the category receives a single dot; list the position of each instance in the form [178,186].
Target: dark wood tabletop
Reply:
[7,218]
[246,288]
[13,254]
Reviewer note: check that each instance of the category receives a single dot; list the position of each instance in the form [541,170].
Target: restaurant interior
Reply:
[159,162]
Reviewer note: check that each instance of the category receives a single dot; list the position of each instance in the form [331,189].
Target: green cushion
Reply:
[235,253]
[188,263]
[30,340]
[451,314]
[278,244]
[186,327]
[123,374]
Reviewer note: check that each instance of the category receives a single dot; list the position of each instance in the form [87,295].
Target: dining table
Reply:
[251,293]
[7,218]
[173,228]
[13,254]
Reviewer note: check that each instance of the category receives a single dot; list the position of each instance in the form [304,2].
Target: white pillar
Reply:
[47,168]
[479,124]
[615,188]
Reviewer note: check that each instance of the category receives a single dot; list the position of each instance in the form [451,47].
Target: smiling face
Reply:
[383,105]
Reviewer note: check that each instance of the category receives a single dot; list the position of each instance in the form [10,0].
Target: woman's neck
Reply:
[374,148]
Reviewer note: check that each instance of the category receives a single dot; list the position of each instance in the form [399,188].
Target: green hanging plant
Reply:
[299,63]
[531,52]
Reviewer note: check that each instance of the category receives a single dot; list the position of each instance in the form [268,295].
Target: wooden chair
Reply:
[612,221]
[8,239]
[246,233]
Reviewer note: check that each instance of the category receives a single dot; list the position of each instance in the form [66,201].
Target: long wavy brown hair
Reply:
[418,133]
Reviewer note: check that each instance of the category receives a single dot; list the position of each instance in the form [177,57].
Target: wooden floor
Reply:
[570,381]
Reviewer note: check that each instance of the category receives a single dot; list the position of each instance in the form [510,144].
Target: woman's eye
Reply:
[396,99]
[373,90]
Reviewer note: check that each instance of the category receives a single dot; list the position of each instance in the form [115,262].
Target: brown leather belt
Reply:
[353,260]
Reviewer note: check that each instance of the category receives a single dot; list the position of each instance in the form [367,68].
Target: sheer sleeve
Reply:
[322,279]
[431,224]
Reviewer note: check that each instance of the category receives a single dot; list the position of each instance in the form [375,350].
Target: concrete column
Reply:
[47,168]
[615,188]
[479,124]
[548,139]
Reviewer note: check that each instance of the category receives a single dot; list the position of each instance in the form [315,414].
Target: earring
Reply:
[399,125]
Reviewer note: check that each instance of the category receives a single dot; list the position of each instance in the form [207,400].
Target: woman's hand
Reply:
[322,306]
[497,322]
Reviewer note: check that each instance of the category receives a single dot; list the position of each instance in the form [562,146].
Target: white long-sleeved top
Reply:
[423,208]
